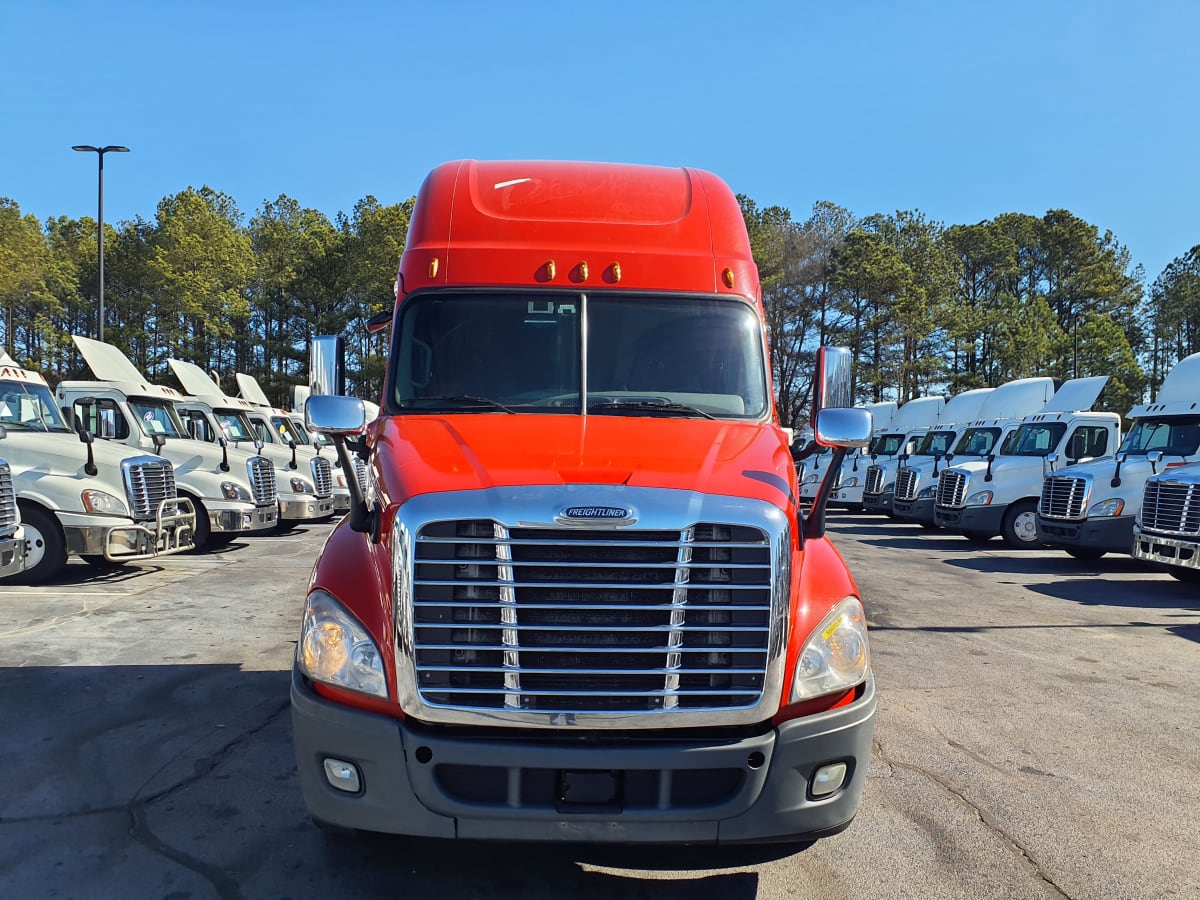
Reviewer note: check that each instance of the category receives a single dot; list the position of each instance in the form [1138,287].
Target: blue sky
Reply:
[963,110]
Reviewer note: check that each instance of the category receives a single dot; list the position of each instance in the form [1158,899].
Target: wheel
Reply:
[95,560]
[1019,528]
[220,539]
[1191,576]
[1087,554]
[45,546]
[977,537]
[200,537]
[930,526]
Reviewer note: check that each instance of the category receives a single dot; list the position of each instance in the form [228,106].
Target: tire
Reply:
[930,526]
[1086,554]
[977,537]
[219,539]
[96,561]
[45,546]
[1019,528]
[200,537]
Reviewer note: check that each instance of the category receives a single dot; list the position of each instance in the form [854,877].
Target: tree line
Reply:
[924,307]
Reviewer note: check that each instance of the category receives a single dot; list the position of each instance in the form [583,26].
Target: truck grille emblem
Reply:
[596,512]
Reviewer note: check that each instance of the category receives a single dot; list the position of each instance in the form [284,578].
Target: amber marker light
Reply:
[615,272]
[550,269]
[583,270]
[433,267]
[727,277]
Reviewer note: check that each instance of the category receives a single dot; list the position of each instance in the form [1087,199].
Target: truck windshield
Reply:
[520,353]
[1174,437]
[235,425]
[29,407]
[936,443]
[157,417]
[977,442]
[286,429]
[885,445]
[1034,440]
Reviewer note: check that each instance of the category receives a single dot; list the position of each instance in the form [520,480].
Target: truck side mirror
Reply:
[343,418]
[1154,457]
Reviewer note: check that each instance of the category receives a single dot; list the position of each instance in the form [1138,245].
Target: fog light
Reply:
[247,520]
[826,780]
[344,775]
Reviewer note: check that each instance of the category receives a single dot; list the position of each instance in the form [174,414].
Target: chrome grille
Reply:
[951,489]
[1171,507]
[1063,497]
[262,479]
[907,483]
[574,620]
[322,473]
[874,481]
[360,472]
[8,500]
[148,482]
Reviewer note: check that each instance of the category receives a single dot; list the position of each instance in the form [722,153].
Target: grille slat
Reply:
[147,484]
[262,479]
[581,620]
[907,483]
[951,489]
[874,481]
[322,473]
[1063,497]
[1171,508]
[8,500]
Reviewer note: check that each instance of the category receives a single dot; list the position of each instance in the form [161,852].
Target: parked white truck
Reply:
[232,490]
[12,535]
[912,420]
[210,415]
[1002,411]
[77,495]
[999,495]
[1089,509]
[1167,530]
[879,490]
[810,471]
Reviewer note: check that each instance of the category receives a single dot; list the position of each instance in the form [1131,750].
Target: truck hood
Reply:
[425,454]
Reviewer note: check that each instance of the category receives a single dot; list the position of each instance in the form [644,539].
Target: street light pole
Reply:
[100,151]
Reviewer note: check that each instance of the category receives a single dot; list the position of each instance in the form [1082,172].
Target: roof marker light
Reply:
[727,277]
[582,270]
[614,272]
[550,269]
[433,267]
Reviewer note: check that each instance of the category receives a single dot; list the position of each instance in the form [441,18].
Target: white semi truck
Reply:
[1167,529]
[12,535]
[810,472]
[232,490]
[80,496]
[210,415]
[999,495]
[879,489]
[1089,509]
[1002,411]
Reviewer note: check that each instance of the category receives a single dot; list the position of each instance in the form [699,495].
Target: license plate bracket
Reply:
[589,790]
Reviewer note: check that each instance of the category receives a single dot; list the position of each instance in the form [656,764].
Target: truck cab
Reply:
[1089,509]
[810,473]
[578,600]
[12,535]
[1000,412]
[79,496]
[999,496]
[1167,529]
[912,420]
[225,486]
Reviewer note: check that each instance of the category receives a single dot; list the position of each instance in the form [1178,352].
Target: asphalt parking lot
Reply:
[1038,736]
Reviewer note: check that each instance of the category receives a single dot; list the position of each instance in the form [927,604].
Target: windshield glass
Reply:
[1034,440]
[321,440]
[29,407]
[885,445]
[935,443]
[1174,437]
[235,425]
[517,353]
[157,417]
[977,442]
[286,430]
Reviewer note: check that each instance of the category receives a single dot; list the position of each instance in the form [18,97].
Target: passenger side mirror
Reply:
[832,381]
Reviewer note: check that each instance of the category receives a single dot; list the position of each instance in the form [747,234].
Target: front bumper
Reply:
[447,783]
[341,501]
[1168,551]
[304,507]
[915,510]
[237,518]
[1111,534]
[880,503]
[12,554]
[973,519]
[171,531]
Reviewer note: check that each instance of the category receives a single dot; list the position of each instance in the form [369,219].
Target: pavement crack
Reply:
[984,817]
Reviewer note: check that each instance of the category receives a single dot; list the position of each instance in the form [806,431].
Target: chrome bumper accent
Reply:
[310,507]
[257,518]
[12,554]
[1183,554]
[172,532]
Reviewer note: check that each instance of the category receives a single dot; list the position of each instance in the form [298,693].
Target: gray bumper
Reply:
[12,554]
[244,518]
[914,510]
[880,503]
[341,502]
[1112,534]
[305,507]
[1169,551]
[975,519]
[439,783]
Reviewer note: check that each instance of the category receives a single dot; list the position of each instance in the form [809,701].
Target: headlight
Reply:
[927,492]
[105,504]
[1110,507]
[980,498]
[341,480]
[836,656]
[811,479]
[850,482]
[335,649]
[889,488]
[300,486]
[232,491]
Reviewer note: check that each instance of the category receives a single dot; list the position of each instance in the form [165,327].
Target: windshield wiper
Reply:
[465,398]
[664,406]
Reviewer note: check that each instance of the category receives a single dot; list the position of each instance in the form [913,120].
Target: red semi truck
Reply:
[576,598]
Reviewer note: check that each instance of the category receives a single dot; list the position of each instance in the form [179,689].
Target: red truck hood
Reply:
[421,454]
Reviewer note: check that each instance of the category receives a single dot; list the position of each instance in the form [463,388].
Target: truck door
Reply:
[1087,442]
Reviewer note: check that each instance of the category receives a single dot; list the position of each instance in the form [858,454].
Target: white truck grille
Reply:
[262,479]
[874,481]
[575,620]
[952,489]
[907,483]
[148,482]
[322,473]
[8,500]
[1063,497]
[1171,507]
